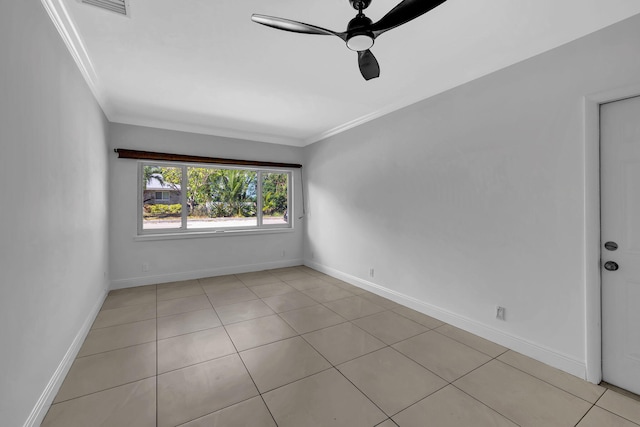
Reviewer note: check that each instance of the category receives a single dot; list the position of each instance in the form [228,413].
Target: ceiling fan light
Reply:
[360,42]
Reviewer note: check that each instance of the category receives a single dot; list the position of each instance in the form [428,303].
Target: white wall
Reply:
[179,259]
[475,198]
[53,214]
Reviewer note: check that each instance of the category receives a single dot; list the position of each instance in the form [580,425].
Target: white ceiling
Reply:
[204,66]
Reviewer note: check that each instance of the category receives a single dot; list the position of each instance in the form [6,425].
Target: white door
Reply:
[620,210]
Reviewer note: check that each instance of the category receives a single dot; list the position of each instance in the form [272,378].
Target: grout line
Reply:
[253,318]
[407,317]
[157,397]
[115,349]
[526,373]
[197,363]
[335,366]
[104,389]
[250,376]
[313,330]
[295,381]
[614,413]
[547,382]
[347,361]
[242,360]
[189,333]
[585,414]
[268,409]
[184,313]
[625,393]
[123,306]
[468,373]
[473,370]
[464,343]
[484,404]
[221,409]
[280,340]
[424,398]
[272,342]
[122,324]
[363,393]
[181,296]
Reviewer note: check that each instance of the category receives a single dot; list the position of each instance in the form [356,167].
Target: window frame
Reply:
[184,231]
[162,194]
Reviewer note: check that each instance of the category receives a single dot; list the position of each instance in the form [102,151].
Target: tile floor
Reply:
[294,347]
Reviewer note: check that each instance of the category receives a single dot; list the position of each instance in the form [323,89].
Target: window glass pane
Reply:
[162,195]
[215,198]
[221,198]
[275,190]
[161,207]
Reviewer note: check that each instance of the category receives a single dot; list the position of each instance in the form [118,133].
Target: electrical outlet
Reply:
[500,311]
[371,272]
[284,253]
[145,267]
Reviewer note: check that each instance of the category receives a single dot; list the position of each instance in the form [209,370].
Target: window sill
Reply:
[205,234]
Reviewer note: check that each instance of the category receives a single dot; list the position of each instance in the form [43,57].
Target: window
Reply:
[215,198]
[162,195]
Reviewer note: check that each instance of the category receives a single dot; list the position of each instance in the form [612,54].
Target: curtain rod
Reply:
[149,155]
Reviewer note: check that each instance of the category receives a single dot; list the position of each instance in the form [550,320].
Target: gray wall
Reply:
[53,220]
[476,198]
[187,258]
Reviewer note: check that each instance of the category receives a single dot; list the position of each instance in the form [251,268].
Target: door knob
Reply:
[611,266]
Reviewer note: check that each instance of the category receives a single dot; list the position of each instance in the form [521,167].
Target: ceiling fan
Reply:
[361,31]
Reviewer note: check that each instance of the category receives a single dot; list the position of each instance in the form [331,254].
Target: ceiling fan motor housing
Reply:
[359,36]
[360,4]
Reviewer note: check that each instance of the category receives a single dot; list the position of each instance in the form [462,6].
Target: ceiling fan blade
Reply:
[404,12]
[294,26]
[369,66]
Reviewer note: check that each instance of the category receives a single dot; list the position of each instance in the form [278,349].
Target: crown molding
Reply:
[71,37]
[388,109]
[205,129]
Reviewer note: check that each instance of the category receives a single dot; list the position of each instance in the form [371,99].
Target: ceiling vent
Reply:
[117,6]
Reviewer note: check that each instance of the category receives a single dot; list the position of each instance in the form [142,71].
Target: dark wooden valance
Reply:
[166,157]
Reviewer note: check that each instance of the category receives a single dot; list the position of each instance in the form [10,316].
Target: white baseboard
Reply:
[199,274]
[536,351]
[42,406]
